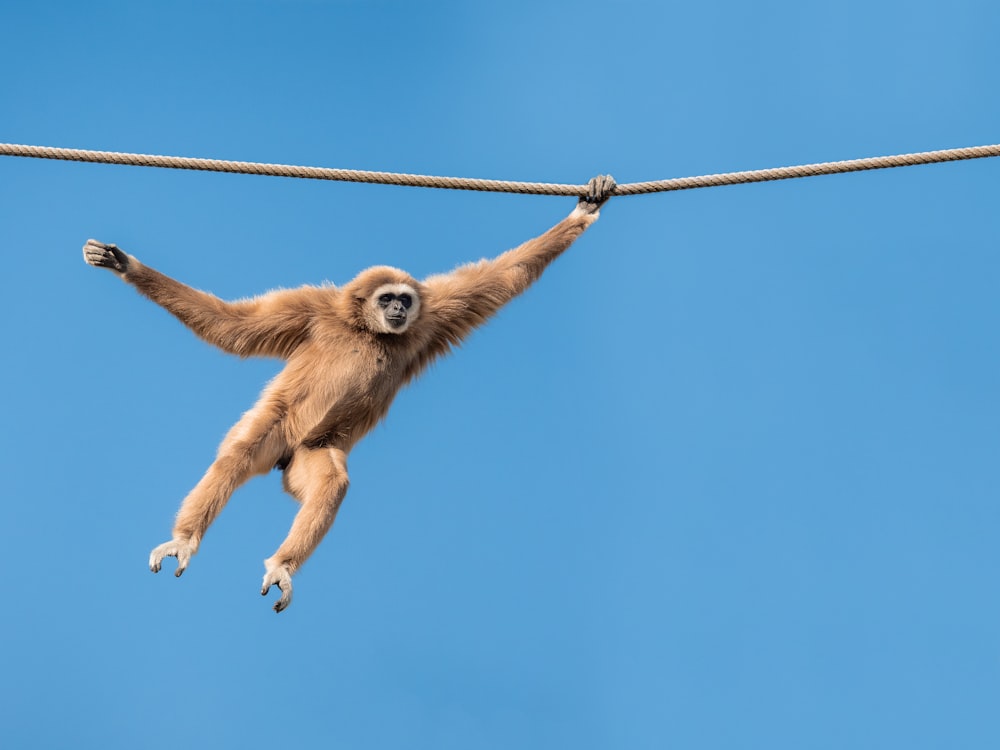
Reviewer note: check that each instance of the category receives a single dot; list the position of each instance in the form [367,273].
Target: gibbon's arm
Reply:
[465,298]
[269,326]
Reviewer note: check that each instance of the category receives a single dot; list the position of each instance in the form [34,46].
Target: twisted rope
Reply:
[497,186]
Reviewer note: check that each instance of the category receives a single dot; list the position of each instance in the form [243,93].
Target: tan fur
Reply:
[343,371]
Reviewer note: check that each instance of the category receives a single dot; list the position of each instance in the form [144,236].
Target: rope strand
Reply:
[496,186]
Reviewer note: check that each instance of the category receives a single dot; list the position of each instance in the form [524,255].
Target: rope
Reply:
[497,186]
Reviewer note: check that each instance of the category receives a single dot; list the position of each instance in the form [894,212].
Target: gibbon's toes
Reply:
[281,578]
[173,548]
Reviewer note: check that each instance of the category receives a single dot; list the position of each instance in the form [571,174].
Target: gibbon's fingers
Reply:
[281,578]
[600,189]
[105,256]
[593,189]
[95,249]
[608,186]
[95,256]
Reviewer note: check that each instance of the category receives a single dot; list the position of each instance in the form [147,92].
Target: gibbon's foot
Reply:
[599,189]
[105,256]
[278,575]
[178,548]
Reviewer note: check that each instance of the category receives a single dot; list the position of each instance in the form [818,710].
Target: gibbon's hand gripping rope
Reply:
[497,186]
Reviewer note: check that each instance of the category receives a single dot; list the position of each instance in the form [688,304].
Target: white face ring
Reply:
[395,289]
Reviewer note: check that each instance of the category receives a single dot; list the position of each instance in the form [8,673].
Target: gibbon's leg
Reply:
[317,478]
[253,446]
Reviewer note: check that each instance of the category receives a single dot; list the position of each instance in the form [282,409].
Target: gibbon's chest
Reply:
[348,364]
[337,388]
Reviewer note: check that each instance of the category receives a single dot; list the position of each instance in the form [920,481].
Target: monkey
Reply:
[348,351]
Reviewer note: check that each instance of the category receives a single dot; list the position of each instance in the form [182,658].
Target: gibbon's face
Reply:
[397,305]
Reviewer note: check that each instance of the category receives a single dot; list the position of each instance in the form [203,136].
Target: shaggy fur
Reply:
[345,365]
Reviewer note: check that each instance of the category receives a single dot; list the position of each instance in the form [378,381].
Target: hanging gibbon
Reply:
[348,351]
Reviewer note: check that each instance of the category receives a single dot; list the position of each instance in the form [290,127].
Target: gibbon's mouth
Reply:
[396,321]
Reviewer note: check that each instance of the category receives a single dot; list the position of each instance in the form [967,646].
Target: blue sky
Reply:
[726,477]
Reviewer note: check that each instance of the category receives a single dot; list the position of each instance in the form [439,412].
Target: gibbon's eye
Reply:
[385,299]
[406,299]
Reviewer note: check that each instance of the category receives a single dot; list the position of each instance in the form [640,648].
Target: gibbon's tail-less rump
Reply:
[347,351]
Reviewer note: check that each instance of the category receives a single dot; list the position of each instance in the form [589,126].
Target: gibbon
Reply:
[348,351]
